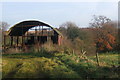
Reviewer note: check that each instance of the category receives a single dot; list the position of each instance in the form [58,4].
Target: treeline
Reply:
[100,36]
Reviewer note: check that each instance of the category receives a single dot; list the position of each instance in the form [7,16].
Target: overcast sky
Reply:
[56,13]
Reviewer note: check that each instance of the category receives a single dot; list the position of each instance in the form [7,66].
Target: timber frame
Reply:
[31,32]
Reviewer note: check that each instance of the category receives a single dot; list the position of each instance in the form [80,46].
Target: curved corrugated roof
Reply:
[20,28]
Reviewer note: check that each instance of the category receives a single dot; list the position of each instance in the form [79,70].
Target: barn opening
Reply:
[30,33]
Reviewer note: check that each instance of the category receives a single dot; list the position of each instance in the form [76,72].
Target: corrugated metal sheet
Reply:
[22,27]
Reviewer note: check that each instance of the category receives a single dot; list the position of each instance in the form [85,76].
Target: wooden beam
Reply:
[17,40]
[22,40]
[11,40]
[42,30]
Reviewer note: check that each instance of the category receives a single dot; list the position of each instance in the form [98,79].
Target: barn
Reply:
[31,32]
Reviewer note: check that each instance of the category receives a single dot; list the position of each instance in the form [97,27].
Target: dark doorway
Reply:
[43,39]
[54,39]
[30,40]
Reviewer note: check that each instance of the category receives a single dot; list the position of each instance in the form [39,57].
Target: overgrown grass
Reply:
[58,65]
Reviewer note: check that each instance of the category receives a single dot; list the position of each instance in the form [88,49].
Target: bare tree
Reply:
[99,21]
[4,26]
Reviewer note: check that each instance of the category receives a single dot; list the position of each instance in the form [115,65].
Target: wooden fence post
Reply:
[4,42]
[97,57]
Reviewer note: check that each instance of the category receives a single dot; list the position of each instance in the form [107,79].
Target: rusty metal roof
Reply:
[22,27]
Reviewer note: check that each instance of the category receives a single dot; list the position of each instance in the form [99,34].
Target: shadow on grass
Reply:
[80,69]
[91,71]
[13,72]
[29,55]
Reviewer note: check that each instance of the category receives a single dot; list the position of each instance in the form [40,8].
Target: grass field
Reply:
[58,65]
